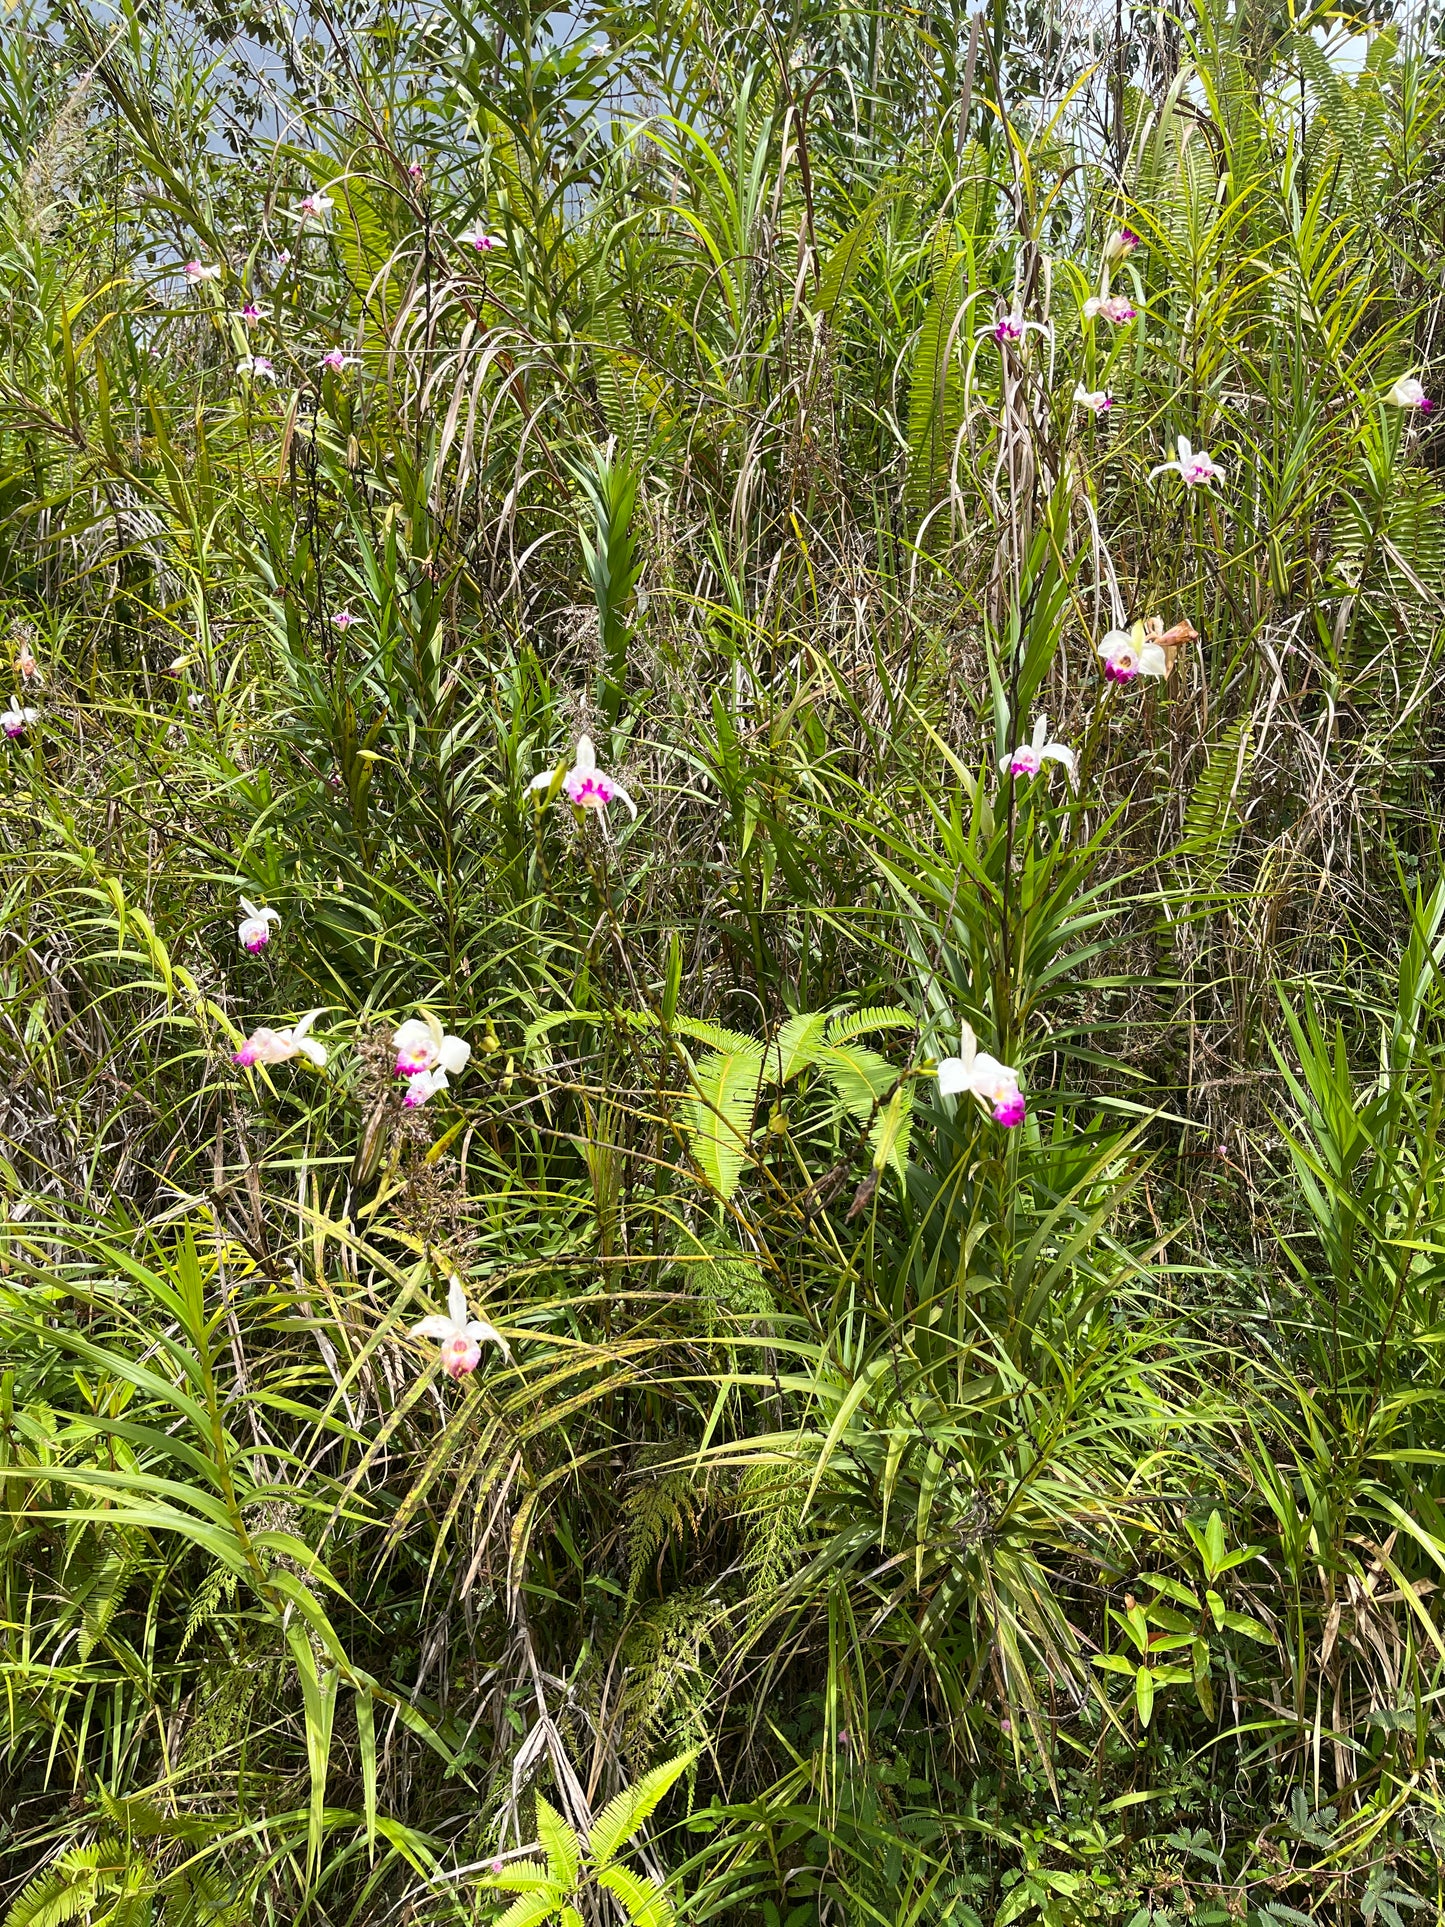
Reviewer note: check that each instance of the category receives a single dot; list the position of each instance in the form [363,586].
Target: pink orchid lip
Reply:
[245,1057]
[1022,765]
[410,1067]
[1119,672]
[461,1355]
[589,789]
[253,944]
[1009,1111]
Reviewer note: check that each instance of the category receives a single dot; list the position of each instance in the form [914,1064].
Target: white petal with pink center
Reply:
[584,785]
[1029,758]
[1408,392]
[461,1338]
[1110,307]
[1127,653]
[995,1085]
[254,929]
[14,719]
[1096,400]
[425,1050]
[267,1046]
[1193,467]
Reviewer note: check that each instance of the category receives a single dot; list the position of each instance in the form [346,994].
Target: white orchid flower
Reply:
[1127,653]
[1097,400]
[1409,393]
[195,271]
[479,239]
[1012,328]
[14,719]
[315,207]
[1029,758]
[996,1085]
[584,785]
[267,1046]
[461,1338]
[424,1056]
[337,359]
[256,368]
[1119,244]
[254,929]
[1109,307]
[1193,467]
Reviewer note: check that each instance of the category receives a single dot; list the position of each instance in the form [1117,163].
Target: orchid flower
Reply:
[479,239]
[421,1045]
[424,1056]
[195,271]
[257,367]
[344,618]
[1029,758]
[995,1084]
[461,1337]
[27,665]
[254,312]
[14,719]
[1409,393]
[1193,467]
[336,358]
[1110,307]
[1127,653]
[1096,400]
[315,207]
[416,170]
[267,1046]
[254,929]
[1012,328]
[584,785]
[1119,245]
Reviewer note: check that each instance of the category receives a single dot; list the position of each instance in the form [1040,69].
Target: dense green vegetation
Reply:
[855,1505]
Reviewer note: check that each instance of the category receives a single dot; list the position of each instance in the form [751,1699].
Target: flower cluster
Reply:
[425,1055]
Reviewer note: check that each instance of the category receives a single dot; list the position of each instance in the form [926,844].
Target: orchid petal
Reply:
[453,1055]
[1152,660]
[457,1301]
